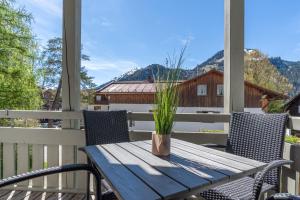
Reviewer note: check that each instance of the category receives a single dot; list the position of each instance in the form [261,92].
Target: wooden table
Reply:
[135,173]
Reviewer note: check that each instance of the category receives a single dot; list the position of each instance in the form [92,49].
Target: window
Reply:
[220,90]
[98,98]
[202,90]
[298,109]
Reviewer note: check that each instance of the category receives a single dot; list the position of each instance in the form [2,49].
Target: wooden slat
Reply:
[68,158]
[38,163]
[4,193]
[40,114]
[22,162]
[194,167]
[42,136]
[38,195]
[126,184]
[8,160]
[136,116]
[190,180]
[161,183]
[81,177]
[10,195]
[216,158]
[184,117]
[34,196]
[52,160]
[219,153]
[219,167]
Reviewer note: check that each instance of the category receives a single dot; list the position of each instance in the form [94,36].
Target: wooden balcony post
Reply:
[71,87]
[233,56]
[71,59]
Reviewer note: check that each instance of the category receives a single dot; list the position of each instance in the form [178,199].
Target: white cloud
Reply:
[187,39]
[182,40]
[105,22]
[98,64]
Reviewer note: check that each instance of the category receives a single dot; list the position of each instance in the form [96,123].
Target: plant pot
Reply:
[161,144]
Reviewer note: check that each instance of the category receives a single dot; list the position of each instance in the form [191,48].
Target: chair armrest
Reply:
[214,145]
[48,171]
[259,177]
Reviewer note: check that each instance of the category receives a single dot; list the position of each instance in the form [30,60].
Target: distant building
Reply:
[202,94]
[205,90]
[292,106]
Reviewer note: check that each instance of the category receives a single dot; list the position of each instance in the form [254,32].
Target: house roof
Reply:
[146,87]
[291,101]
[126,87]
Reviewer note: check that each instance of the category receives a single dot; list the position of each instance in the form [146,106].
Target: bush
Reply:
[292,139]
[276,106]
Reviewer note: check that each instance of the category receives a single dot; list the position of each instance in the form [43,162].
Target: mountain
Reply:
[148,72]
[289,69]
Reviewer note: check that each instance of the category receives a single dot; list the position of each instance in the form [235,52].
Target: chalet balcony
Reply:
[25,147]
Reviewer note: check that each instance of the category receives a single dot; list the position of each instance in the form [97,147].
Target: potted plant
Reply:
[166,103]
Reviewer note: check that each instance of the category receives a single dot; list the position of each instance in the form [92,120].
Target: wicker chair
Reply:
[255,136]
[284,196]
[104,127]
[59,169]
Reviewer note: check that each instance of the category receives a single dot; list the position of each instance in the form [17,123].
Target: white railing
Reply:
[56,146]
[27,149]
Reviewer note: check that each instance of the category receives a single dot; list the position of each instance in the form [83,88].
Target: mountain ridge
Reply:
[289,69]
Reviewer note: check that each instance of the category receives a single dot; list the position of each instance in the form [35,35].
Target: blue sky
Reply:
[120,35]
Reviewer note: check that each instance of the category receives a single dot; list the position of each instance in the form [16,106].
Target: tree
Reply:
[260,71]
[19,89]
[51,70]
[276,106]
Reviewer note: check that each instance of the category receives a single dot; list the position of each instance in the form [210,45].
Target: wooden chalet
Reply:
[205,90]
[292,106]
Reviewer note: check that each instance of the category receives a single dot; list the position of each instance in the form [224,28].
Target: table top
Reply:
[135,173]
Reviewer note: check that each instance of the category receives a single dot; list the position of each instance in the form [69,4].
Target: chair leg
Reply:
[98,192]
[88,193]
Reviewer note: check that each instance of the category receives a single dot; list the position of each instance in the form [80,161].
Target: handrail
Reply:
[294,122]
[40,114]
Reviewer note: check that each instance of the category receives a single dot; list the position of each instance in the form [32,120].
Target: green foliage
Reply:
[292,139]
[50,70]
[166,97]
[51,66]
[18,84]
[259,70]
[51,63]
[276,106]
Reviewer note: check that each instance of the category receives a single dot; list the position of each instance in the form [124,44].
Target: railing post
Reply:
[71,58]
[233,56]
[71,80]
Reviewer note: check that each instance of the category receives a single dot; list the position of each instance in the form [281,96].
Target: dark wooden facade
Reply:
[188,93]
[293,106]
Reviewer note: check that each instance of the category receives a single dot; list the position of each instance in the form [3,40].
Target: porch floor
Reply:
[36,195]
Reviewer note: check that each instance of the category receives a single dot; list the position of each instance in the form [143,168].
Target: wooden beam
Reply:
[234,56]
[71,59]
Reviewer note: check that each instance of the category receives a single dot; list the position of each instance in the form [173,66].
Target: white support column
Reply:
[234,56]
[71,58]
[71,81]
